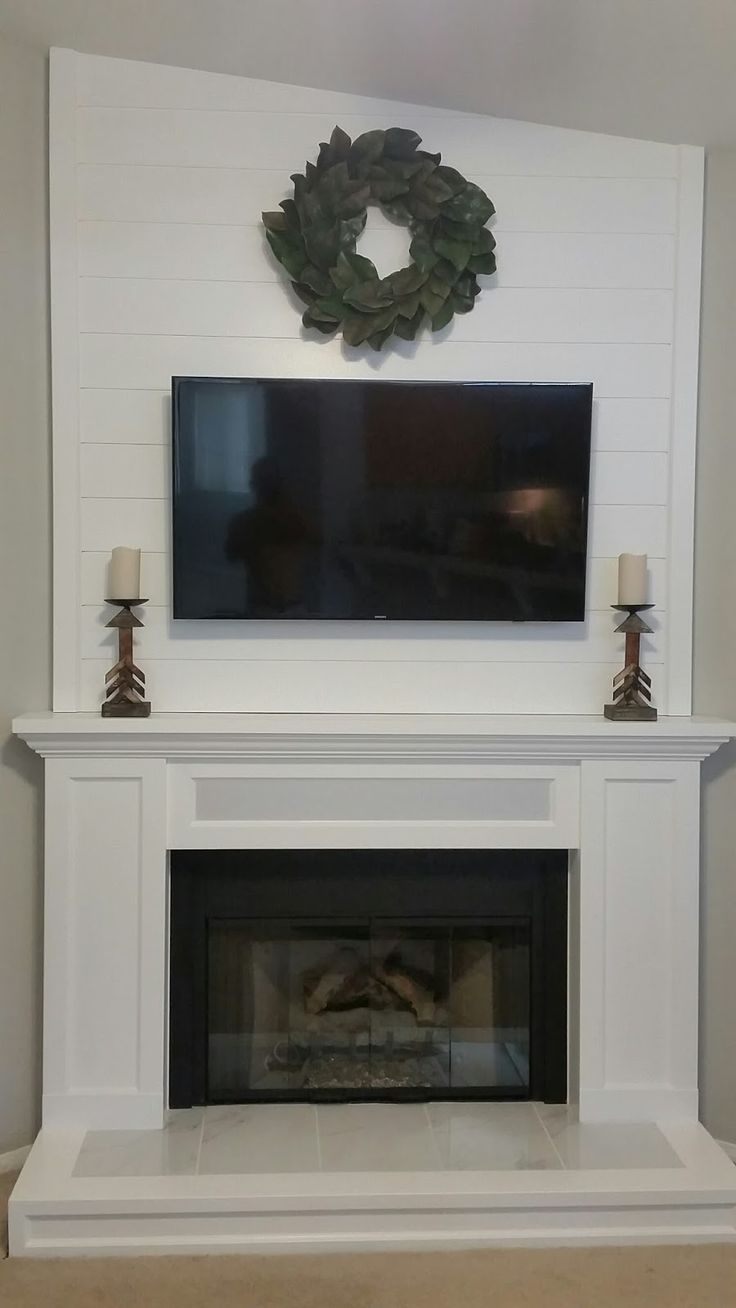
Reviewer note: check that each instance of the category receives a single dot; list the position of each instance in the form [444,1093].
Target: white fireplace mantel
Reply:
[272,737]
[623,799]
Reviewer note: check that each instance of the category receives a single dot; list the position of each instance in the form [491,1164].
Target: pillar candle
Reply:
[125,574]
[632,578]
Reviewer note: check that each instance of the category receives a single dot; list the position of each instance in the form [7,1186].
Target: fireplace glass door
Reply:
[311,1009]
[351,974]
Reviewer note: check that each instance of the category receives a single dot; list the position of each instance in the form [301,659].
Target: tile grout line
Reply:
[319,1139]
[199,1144]
[433,1138]
[556,1151]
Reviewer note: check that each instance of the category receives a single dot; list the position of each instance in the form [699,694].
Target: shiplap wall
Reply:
[159,267]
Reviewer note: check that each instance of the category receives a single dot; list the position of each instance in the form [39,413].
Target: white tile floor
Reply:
[260,1138]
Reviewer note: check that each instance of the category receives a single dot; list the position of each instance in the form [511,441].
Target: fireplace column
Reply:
[637,882]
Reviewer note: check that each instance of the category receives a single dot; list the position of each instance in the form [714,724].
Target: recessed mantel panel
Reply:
[233,805]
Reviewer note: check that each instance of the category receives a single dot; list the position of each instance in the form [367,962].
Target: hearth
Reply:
[356,975]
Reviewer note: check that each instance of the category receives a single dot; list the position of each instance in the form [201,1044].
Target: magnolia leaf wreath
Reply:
[314,236]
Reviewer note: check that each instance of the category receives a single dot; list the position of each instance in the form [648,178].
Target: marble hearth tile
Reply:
[491,1137]
[170,1152]
[259,1138]
[376,1138]
[605,1144]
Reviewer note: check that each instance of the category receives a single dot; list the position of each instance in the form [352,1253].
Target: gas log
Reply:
[347,981]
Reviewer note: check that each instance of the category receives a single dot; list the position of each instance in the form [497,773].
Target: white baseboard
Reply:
[14,1160]
[727,1148]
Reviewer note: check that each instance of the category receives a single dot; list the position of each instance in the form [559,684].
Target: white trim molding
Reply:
[370,737]
[683,424]
[64,285]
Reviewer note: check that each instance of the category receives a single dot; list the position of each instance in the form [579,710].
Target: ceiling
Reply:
[659,69]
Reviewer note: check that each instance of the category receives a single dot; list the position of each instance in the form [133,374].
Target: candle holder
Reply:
[631,686]
[125,683]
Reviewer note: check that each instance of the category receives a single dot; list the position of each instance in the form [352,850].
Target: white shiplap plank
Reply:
[143,472]
[202,251]
[627,424]
[204,308]
[107,522]
[125,417]
[143,524]
[345,687]
[257,139]
[144,418]
[150,362]
[636,529]
[171,194]
[156,583]
[628,478]
[125,471]
[593,641]
[105,81]
[605,205]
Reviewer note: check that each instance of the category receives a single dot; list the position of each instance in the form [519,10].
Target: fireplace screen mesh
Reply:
[316,1010]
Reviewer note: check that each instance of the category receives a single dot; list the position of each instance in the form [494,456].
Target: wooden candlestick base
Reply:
[125,683]
[632,686]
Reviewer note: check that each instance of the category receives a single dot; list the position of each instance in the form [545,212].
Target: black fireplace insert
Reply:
[346,975]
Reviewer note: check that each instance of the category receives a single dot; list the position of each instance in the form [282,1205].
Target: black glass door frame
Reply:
[292,886]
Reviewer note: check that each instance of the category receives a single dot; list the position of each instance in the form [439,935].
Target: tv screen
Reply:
[434,501]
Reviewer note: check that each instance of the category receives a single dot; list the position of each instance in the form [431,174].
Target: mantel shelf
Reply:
[337,737]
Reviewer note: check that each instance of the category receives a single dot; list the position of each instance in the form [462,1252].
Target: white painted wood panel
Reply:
[104,82]
[141,417]
[172,170]
[239,806]
[134,417]
[140,306]
[237,253]
[86,810]
[119,471]
[612,530]
[258,139]
[570,205]
[156,582]
[591,641]
[108,948]
[355,686]
[124,471]
[628,478]
[639,825]
[635,425]
[635,371]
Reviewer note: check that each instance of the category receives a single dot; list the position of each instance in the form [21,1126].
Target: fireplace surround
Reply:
[619,802]
[343,975]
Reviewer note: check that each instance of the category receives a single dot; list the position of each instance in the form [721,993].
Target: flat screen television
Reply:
[433,501]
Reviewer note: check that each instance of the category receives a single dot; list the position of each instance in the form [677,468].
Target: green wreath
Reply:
[315,234]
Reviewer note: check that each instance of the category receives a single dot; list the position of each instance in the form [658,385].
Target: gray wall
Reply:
[24,571]
[25,599]
[715,640]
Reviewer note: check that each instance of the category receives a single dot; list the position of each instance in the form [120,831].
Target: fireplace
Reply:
[324,975]
[169,838]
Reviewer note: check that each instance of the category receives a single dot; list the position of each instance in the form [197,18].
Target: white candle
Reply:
[632,578]
[125,574]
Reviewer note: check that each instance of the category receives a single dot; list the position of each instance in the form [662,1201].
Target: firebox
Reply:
[327,975]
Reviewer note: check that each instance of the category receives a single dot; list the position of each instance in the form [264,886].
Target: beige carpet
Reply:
[696,1276]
